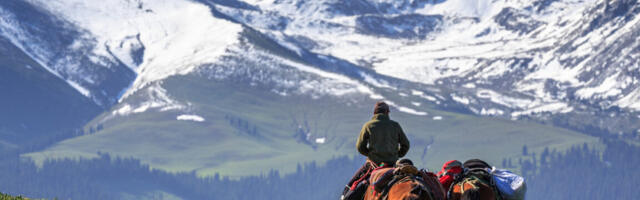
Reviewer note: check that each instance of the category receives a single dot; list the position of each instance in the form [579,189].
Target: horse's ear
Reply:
[471,194]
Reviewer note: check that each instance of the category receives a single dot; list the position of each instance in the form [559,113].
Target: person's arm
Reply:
[404,142]
[363,141]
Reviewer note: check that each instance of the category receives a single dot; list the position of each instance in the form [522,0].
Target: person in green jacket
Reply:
[382,141]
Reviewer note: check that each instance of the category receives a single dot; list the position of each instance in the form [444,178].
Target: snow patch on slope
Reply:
[460,8]
[491,112]
[375,82]
[632,100]
[411,111]
[551,69]
[549,107]
[79,88]
[424,96]
[156,97]
[608,87]
[504,100]
[356,86]
[194,118]
[405,109]
[461,99]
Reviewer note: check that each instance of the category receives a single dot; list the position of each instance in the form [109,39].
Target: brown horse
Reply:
[472,189]
[418,186]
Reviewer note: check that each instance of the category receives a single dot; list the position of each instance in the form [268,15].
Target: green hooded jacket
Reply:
[382,140]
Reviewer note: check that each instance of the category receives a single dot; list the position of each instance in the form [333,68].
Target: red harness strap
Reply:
[355,183]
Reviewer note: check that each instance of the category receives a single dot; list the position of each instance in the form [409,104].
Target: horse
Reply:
[404,183]
[468,190]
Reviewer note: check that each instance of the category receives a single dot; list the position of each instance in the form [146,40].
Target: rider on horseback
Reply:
[382,141]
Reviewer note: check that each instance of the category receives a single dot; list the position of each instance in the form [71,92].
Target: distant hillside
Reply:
[230,128]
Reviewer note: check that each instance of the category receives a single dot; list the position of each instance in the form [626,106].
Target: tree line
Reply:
[106,177]
[581,172]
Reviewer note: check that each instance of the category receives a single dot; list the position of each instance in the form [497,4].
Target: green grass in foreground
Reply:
[9,197]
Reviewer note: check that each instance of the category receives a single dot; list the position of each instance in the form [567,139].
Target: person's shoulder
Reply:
[394,122]
[369,123]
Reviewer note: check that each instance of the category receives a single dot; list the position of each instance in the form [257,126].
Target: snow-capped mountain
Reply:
[66,50]
[573,63]
[541,59]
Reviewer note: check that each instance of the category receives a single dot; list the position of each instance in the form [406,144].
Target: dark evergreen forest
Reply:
[584,173]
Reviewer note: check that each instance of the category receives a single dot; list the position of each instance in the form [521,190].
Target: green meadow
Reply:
[249,130]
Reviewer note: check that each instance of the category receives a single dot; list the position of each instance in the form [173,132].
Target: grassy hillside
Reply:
[249,130]
[220,145]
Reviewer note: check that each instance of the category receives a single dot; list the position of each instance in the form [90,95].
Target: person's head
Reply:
[381,108]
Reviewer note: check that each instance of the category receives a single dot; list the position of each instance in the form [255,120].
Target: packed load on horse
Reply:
[384,177]
[404,182]
[399,182]
[480,181]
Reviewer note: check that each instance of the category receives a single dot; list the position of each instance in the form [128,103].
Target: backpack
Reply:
[451,170]
[510,185]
